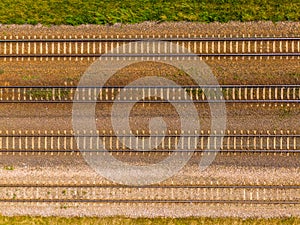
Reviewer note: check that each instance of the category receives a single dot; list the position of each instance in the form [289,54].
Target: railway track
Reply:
[211,194]
[120,142]
[158,94]
[143,143]
[80,48]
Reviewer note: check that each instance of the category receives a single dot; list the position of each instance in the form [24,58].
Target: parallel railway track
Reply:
[158,143]
[71,48]
[211,194]
[91,48]
[160,94]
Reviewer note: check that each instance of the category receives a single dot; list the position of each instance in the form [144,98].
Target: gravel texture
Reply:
[231,169]
[153,28]
[238,169]
[59,117]
[150,210]
[226,169]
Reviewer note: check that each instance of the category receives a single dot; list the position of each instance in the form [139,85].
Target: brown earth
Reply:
[59,117]
[273,71]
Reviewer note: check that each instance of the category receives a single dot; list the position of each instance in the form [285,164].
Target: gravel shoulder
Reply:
[247,169]
[267,28]
[149,210]
[227,170]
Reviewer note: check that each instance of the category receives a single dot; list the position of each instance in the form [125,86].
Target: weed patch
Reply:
[149,221]
[285,112]
[8,167]
[30,77]
[47,94]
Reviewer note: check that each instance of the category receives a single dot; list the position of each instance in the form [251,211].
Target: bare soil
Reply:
[226,71]
[59,117]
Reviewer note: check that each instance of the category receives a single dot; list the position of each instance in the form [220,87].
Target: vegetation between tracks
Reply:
[75,12]
[121,220]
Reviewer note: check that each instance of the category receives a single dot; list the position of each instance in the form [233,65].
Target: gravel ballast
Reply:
[232,169]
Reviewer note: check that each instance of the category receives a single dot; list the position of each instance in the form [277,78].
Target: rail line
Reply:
[231,194]
[141,142]
[153,94]
[79,48]
[146,142]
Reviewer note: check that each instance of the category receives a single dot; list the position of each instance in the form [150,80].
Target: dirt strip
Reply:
[59,117]
[227,71]
[153,28]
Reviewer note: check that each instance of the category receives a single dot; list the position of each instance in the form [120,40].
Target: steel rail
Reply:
[162,87]
[182,39]
[149,55]
[156,101]
[178,201]
[173,186]
[212,135]
[289,151]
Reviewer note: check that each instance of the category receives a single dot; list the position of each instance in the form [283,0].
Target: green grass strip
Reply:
[144,221]
[75,12]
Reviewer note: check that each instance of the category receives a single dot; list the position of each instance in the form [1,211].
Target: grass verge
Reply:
[167,221]
[75,12]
